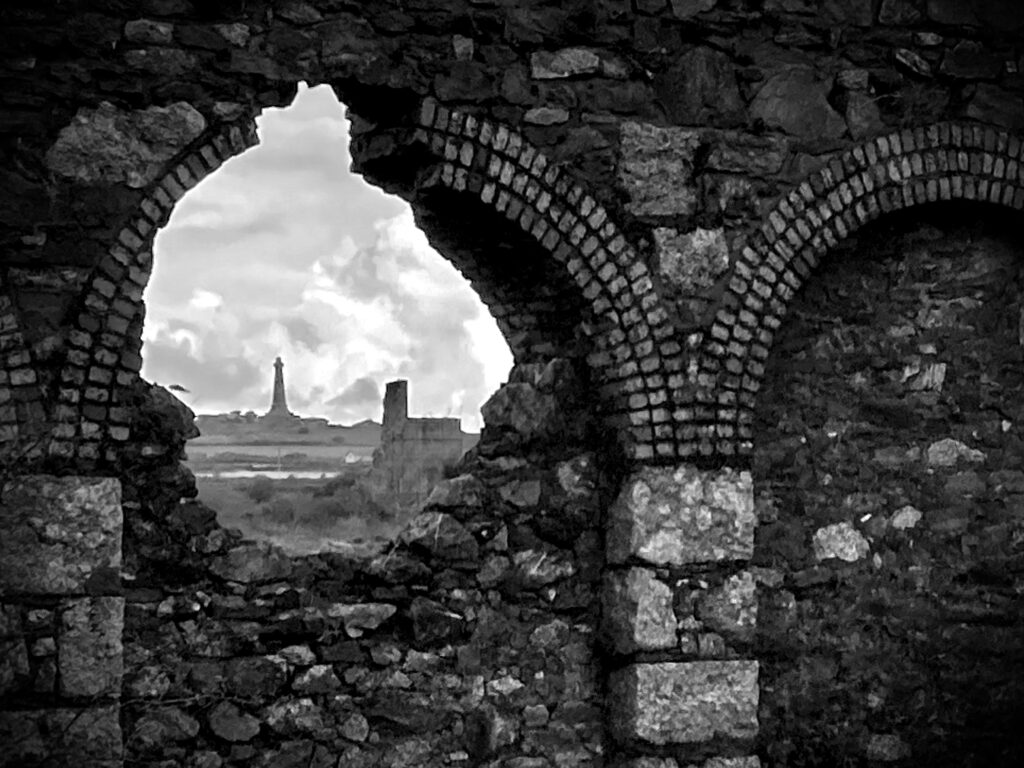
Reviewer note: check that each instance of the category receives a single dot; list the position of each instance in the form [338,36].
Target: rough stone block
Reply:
[684,703]
[657,169]
[85,738]
[638,612]
[89,652]
[691,261]
[685,515]
[108,145]
[58,533]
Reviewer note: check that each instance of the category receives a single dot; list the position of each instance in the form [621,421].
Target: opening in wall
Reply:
[287,295]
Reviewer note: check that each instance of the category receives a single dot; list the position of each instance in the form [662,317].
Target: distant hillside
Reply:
[247,429]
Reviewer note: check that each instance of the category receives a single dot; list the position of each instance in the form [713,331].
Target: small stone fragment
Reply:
[905,517]
[886,747]
[840,540]
[463,47]
[355,727]
[146,31]
[568,62]
[946,453]
[914,62]
[546,116]
[684,9]
[795,101]
[232,724]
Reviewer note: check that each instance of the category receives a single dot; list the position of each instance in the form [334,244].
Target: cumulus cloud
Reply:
[284,252]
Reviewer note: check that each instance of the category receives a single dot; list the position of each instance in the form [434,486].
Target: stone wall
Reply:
[61,620]
[889,557]
[472,641]
[645,186]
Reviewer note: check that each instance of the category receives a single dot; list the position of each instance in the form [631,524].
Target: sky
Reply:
[284,252]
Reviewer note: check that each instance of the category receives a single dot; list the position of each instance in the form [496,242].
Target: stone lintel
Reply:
[684,702]
[682,516]
[58,533]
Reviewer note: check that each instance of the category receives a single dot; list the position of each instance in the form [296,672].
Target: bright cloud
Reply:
[284,252]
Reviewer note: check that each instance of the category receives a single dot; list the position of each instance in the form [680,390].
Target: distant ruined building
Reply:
[413,452]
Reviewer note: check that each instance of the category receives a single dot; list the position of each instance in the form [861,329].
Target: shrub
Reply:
[260,489]
[280,511]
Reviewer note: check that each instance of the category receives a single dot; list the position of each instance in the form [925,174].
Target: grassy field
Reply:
[301,516]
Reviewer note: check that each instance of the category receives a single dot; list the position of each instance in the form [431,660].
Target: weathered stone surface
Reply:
[913,61]
[657,169]
[361,617]
[237,34]
[161,61]
[522,408]
[537,568]
[319,678]
[463,491]
[684,9]
[58,533]
[148,31]
[691,261]
[253,562]
[232,724]
[84,737]
[731,609]
[905,517]
[951,12]
[441,536]
[162,727]
[111,146]
[992,104]
[683,515]
[89,652]
[863,118]
[753,155]
[684,703]
[637,612]
[898,12]
[700,86]
[794,101]
[546,116]
[295,716]
[355,727]
[971,61]
[886,748]
[567,62]
[433,623]
[840,540]
[947,452]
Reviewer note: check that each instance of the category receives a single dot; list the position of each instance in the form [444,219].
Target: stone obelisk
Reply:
[278,404]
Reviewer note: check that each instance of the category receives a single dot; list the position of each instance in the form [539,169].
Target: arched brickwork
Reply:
[631,339]
[945,161]
[104,340]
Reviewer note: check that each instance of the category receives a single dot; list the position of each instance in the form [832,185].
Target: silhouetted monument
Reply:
[279,403]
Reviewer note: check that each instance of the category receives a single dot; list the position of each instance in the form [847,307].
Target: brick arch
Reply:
[940,162]
[634,353]
[104,340]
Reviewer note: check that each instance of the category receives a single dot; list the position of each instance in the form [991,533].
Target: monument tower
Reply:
[278,404]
